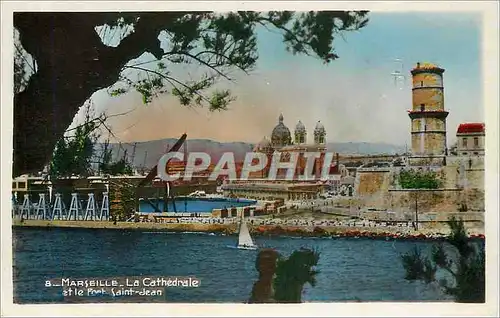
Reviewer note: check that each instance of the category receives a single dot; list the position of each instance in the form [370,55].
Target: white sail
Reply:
[244,239]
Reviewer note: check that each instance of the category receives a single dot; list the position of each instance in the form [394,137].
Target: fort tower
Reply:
[428,116]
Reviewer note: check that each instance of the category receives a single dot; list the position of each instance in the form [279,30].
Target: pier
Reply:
[46,208]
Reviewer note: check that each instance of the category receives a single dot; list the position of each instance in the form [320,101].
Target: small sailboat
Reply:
[245,241]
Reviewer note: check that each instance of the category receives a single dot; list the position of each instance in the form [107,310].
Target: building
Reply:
[470,139]
[428,116]
[261,188]
[26,183]
[269,190]
[281,141]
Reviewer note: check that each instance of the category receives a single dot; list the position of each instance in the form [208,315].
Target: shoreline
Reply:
[395,233]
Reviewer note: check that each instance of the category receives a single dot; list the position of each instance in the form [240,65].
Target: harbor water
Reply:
[349,269]
[195,205]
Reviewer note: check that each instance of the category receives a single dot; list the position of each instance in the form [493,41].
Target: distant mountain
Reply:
[365,148]
[149,152]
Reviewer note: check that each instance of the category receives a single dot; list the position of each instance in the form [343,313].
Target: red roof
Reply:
[466,128]
[426,111]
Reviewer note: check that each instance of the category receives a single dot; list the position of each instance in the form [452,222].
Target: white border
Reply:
[490,65]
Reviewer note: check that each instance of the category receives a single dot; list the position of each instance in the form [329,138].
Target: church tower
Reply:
[319,133]
[428,117]
[300,133]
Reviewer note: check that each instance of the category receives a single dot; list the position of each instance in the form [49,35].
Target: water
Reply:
[196,204]
[350,269]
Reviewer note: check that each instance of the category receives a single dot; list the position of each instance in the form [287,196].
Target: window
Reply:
[476,153]
[21,185]
[14,185]
[476,142]
[464,142]
[422,107]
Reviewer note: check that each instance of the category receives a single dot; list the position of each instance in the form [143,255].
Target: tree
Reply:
[71,68]
[466,270]
[119,167]
[292,273]
[73,153]
[20,73]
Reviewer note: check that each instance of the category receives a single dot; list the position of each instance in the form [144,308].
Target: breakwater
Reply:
[264,230]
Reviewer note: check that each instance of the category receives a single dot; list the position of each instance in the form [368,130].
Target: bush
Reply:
[292,273]
[410,179]
[467,269]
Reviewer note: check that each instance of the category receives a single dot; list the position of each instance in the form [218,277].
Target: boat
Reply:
[245,241]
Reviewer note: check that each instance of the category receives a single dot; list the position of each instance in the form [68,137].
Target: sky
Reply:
[355,97]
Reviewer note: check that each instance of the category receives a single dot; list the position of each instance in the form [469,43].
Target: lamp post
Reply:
[416,211]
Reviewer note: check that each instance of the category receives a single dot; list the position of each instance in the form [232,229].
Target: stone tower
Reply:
[428,117]
[300,133]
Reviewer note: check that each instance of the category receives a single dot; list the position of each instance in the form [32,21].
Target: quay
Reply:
[265,227]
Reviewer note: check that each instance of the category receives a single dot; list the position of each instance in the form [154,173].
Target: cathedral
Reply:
[281,141]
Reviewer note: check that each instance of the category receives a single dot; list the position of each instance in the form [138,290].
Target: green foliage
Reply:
[292,273]
[218,43]
[414,179]
[119,167]
[418,268]
[467,269]
[73,154]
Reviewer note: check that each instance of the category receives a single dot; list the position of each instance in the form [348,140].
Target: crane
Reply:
[154,172]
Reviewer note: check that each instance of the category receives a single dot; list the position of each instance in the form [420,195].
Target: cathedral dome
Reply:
[319,127]
[263,145]
[281,135]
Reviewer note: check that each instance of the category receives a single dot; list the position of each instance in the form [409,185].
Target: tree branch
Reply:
[145,35]
[171,80]
[214,66]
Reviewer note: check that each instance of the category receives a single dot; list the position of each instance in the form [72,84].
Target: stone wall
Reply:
[424,161]
[389,216]
[462,186]
[443,200]
[464,171]
[371,181]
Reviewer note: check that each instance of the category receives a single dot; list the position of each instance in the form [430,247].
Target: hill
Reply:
[149,152]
